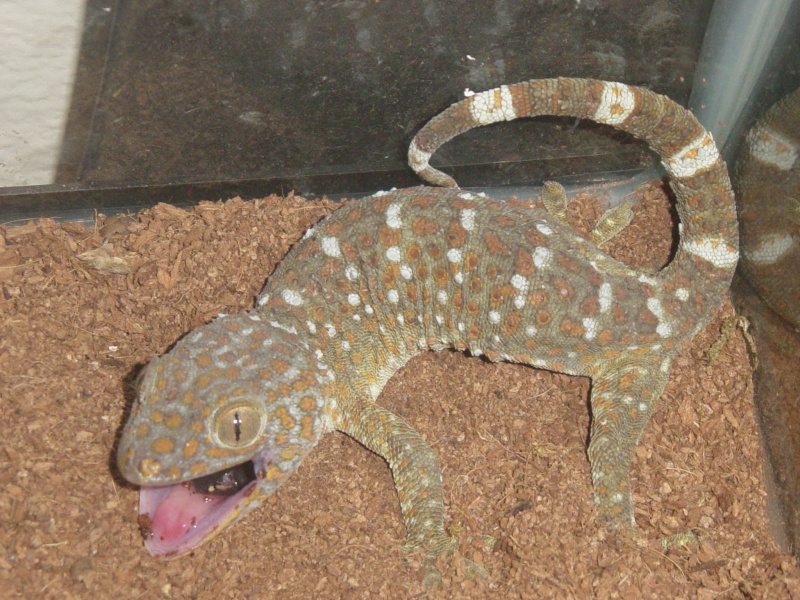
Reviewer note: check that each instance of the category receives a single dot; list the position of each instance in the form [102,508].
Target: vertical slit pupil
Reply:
[237,426]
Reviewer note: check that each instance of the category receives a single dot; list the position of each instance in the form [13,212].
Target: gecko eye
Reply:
[238,425]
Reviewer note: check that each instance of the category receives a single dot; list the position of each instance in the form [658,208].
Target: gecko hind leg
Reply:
[614,220]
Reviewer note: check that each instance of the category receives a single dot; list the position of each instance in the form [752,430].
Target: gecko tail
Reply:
[705,204]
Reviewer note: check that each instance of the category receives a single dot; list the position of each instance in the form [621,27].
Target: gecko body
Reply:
[224,417]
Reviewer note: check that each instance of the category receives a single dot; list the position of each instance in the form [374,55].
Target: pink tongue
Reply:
[179,513]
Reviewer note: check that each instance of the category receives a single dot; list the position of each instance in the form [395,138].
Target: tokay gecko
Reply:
[225,416]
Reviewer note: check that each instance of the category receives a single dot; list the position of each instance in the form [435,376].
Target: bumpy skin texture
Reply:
[768,195]
[386,277]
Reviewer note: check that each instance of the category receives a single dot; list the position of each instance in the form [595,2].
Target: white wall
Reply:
[39,42]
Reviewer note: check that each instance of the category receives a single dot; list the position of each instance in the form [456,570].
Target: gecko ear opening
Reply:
[238,424]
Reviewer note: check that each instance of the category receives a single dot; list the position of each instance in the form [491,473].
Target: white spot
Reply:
[494,317]
[292,297]
[519,302]
[345,345]
[400,319]
[309,232]
[647,279]
[519,282]
[682,294]
[542,257]
[405,271]
[438,319]
[330,329]
[616,103]
[251,316]
[772,148]
[441,296]
[263,300]
[393,216]
[655,307]
[604,297]
[496,338]
[664,328]
[330,246]
[311,326]
[544,229]
[459,278]
[461,327]
[465,195]
[393,296]
[368,309]
[492,106]
[289,328]
[417,159]
[697,156]
[353,299]
[467,218]
[627,400]
[591,328]
[393,253]
[769,249]
[351,272]
[454,255]
[382,329]
[530,330]
[642,407]
[318,354]
[357,318]
[419,319]
[715,251]
[384,192]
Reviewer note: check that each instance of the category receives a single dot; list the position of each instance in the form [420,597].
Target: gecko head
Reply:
[218,424]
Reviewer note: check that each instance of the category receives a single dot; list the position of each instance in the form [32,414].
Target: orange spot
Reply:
[307,403]
[287,422]
[572,328]
[423,226]
[279,366]
[456,235]
[174,421]
[274,473]
[307,428]
[190,448]
[524,263]
[494,245]
[163,445]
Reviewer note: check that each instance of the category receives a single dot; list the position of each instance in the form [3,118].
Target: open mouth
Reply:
[175,519]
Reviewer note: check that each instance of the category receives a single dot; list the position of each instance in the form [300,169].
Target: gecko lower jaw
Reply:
[175,519]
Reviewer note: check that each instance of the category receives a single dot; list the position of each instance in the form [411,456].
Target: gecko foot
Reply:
[441,544]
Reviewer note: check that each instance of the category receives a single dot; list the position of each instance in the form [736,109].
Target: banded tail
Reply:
[709,242]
